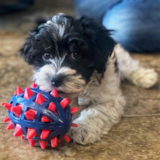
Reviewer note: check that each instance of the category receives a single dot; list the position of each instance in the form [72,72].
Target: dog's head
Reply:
[65,52]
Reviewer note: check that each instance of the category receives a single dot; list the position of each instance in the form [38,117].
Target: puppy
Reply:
[82,61]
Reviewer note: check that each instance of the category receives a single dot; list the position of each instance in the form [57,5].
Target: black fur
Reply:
[84,36]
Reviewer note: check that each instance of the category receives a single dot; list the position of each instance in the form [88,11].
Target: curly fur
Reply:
[92,80]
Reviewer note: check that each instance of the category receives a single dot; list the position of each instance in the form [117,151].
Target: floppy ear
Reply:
[27,50]
[102,43]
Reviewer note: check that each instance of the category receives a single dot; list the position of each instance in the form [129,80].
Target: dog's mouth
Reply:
[61,91]
[69,95]
[65,94]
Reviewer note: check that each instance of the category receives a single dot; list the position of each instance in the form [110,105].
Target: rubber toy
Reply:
[39,116]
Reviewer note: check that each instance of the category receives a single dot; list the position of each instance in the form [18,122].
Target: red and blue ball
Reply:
[39,116]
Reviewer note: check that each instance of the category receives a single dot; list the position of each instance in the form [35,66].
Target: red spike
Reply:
[17,110]
[59,140]
[64,103]
[6,119]
[54,142]
[19,91]
[74,125]
[74,109]
[44,134]
[66,138]
[18,131]
[45,119]
[43,144]
[54,93]
[28,93]
[31,142]
[31,133]
[10,126]
[6,105]
[40,99]
[30,114]
[33,85]
[52,107]
[22,137]
[69,101]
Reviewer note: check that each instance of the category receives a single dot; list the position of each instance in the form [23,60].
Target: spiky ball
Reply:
[39,116]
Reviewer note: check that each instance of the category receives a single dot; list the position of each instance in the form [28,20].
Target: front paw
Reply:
[84,134]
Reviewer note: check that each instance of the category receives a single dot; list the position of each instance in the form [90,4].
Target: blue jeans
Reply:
[135,23]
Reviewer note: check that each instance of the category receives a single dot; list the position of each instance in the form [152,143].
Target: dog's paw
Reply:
[144,78]
[83,135]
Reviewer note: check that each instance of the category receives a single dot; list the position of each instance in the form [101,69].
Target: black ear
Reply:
[102,43]
[27,49]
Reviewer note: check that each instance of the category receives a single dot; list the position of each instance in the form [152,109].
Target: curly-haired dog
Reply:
[81,60]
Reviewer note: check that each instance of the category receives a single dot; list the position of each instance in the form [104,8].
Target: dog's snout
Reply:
[56,81]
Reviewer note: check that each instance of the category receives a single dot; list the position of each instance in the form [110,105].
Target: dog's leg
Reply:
[95,121]
[132,71]
[101,106]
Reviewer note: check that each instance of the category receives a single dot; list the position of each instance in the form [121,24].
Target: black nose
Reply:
[56,81]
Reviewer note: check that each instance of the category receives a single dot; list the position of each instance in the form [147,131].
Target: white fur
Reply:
[73,83]
[57,62]
[131,70]
[59,27]
[101,104]
[42,77]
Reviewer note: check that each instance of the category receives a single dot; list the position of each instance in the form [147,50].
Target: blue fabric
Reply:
[136,23]
[93,8]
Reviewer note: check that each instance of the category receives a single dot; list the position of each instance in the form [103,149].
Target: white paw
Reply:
[144,78]
[83,134]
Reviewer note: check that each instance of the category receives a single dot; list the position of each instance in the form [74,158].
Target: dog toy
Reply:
[39,116]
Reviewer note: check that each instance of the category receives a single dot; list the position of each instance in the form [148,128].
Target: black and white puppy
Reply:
[81,60]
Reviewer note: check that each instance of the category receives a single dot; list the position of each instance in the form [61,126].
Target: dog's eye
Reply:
[75,55]
[46,56]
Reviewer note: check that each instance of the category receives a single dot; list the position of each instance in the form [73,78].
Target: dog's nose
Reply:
[56,81]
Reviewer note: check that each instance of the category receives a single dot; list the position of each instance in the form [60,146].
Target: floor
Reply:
[136,137]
